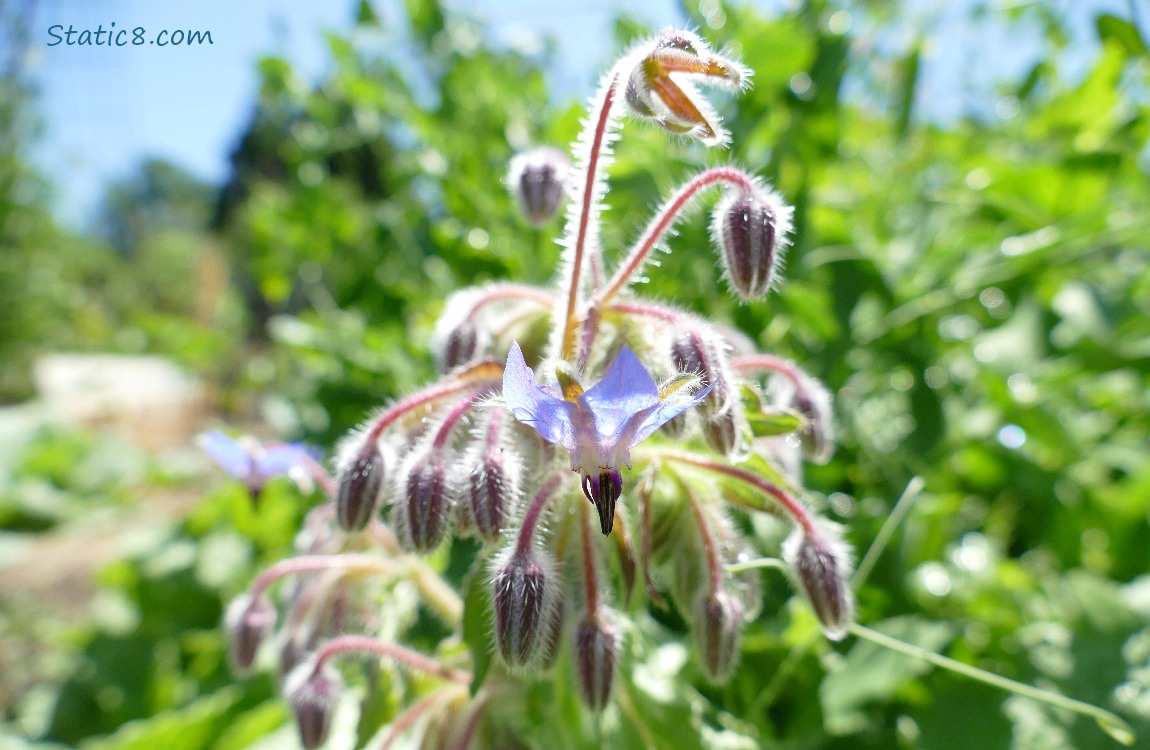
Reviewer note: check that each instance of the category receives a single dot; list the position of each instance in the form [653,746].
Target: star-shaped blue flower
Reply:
[254,464]
[598,427]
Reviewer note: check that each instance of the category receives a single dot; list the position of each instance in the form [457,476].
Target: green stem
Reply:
[901,508]
[1110,723]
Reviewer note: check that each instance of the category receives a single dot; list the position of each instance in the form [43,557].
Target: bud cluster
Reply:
[654,429]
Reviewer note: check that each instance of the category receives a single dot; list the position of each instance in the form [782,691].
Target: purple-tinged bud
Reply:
[750,230]
[603,489]
[704,355]
[549,650]
[249,621]
[361,483]
[813,401]
[422,515]
[821,564]
[524,594]
[660,84]
[492,489]
[313,696]
[461,345]
[718,625]
[596,651]
[721,430]
[538,178]
[293,651]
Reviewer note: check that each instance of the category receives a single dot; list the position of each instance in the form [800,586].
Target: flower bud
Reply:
[538,179]
[657,87]
[813,401]
[422,514]
[524,596]
[821,564]
[313,696]
[718,625]
[249,621]
[704,355]
[461,345]
[596,650]
[750,230]
[722,431]
[360,484]
[492,487]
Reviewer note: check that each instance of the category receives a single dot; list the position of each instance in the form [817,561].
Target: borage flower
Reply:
[598,427]
[255,464]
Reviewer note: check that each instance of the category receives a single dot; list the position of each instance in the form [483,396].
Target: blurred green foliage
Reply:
[976,293]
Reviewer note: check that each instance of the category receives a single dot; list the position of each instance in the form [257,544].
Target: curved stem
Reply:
[475,376]
[316,563]
[748,363]
[1109,722]
[535,513]
[452,419]
[410,715]
[586,209]
[912,491]
[405,656]
[590,577]
[663,221]
[504,291]
[792,506]
[710,549]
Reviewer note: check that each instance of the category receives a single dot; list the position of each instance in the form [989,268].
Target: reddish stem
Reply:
[316,563]
[790,504]
[768,363]
[535,512]
[586,201]
[710,549]
[663,221]
[476,376]
[405,656]
[590,577]
[452,419]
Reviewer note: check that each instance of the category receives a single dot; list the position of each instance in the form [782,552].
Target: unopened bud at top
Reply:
[751,230]
[422,512]
[461,345]
[820,562]
[538,178]
[361,483]
[249,621]
[718,624]
[661,74]
[596,651]
[313,696]
[524,593]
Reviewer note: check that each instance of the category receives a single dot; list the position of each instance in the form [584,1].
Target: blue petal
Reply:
[625,390]
[231,456]
[552,418]
[282,458]
[665,413]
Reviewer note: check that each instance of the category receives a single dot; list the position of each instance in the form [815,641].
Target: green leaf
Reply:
[477,623]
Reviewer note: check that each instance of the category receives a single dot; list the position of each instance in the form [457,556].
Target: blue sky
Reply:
[105,108]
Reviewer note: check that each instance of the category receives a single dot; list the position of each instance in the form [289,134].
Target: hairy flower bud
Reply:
[313,696]
[596,650]
[361,482]
[538,178]
[249,621]
[718,624]
[422,514]
[660,83]
[813,401]
[750,230]
[820,562]
[523,595]
[721,430]
[461,345]
[491,490]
